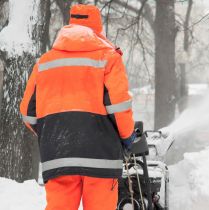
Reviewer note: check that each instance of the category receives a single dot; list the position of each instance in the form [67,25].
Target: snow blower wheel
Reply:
[126,204]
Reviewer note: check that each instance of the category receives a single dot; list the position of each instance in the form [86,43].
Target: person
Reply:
[77,102]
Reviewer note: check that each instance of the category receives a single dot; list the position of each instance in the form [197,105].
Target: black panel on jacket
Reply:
[82,135]
[32,105]
[78,134]
[107,102]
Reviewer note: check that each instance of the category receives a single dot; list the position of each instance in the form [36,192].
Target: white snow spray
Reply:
[190,130]
[193,118]
[189,155]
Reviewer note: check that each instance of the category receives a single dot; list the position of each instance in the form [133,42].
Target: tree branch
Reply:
[146,12]
[139,12]
[64,8]
[186,24]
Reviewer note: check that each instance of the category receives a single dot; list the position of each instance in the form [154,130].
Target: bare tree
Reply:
[165,30]
[4,18]
[18,160]
[19,156]
[64,8]
[15,150]
[183,92]
[165,76]
[4,13]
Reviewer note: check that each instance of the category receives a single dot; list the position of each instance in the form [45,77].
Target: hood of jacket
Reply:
[77,38]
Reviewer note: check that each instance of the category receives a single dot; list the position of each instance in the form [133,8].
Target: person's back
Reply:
[77,102]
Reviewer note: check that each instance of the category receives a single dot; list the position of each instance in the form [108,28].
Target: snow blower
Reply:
[145,180]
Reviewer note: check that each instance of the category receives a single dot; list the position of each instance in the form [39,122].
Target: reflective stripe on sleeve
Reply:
[29,119]
[72,62]
[82,162]
[111,109]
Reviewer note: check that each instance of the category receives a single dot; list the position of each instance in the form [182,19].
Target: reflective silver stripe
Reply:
[72,62]
[29,119]
[119,107]
[82,162]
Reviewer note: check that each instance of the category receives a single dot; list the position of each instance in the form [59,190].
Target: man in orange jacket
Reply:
[77,102]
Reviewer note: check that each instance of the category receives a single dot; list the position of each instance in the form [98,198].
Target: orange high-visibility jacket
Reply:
[77,102]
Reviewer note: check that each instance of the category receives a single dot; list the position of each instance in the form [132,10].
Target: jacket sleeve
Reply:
[117,99]
[28,103]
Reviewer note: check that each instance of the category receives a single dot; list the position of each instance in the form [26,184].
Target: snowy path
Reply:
[188,187]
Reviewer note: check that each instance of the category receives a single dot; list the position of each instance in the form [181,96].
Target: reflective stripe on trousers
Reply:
[82,162]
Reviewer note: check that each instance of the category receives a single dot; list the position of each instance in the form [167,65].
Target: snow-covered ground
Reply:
[26,196]
[188,187]
[189,182]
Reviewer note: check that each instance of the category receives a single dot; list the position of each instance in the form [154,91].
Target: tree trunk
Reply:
[183,94]
[41,30]
[4,13]
[64,8]
[1,81]
[15,150]
[183,90]
[165,76]
[4,16]
[19,156]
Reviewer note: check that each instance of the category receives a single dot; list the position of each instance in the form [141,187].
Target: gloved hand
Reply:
[127,144]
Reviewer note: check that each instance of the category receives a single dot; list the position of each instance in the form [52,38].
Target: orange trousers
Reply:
[65,193]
